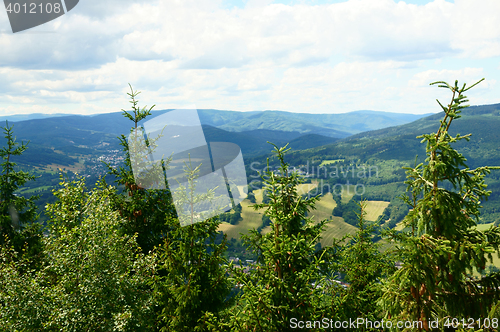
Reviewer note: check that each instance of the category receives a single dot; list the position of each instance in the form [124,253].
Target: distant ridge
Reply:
[339,125]
[250,130]
[32,116]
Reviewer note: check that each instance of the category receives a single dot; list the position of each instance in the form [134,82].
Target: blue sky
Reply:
[309,56]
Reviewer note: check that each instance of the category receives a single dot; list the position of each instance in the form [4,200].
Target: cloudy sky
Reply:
[310,56]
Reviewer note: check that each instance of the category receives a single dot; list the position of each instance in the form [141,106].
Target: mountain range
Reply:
[390,149]
[401,143]
[390,141]
[250,130]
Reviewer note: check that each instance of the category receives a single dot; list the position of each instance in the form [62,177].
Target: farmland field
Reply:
[251,219]
[335,227]
[328,162]
[374,209]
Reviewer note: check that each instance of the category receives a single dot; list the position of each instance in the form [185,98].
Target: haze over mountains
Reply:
[332,125]
[250,130]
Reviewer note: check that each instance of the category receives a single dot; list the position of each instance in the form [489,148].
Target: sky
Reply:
[306,56]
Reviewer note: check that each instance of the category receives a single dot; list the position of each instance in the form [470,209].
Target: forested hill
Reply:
[60,139]
[332,125]
[401,143]
[391,149]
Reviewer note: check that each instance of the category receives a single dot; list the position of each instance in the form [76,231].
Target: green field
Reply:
[328,162]
[347,193]
[33,190]
[483,227]
[335,227]
[304,188]
[324,208]
[251,219]
[77,166]
[374,209]
[258,195]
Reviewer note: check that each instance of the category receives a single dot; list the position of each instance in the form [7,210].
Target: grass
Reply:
[240,191]
[251,219]
[347,192]
[258,195]
[374,209]
[335,227]
[76,167]
[484,227]
[33,190]
[328,162]
[304,188]
[324,208]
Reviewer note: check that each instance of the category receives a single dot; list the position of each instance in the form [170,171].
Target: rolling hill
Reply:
[390,149]
[60,137]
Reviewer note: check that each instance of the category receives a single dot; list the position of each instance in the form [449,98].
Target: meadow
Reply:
[335,228]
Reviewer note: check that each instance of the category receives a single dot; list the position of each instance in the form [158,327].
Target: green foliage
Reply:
[442,245]
[68,210]
[363,266]
[349,212]
[192,281]
[251,197]
[127,261]
[17,214]
[394,213]
[232,217]
[265,196]
[94,279]
[285,282]
[143,210]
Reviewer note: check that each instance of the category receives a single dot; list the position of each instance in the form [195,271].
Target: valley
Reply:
[353,166]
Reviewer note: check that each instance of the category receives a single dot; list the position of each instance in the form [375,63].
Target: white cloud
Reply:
[338,57]
[462,75]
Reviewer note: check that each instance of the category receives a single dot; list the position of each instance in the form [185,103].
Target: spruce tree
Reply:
[144,210]
[442,247]
[286,283]
[192,282]
[364,266]
[17,214]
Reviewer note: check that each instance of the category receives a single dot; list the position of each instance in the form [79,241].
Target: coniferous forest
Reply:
[113,256]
